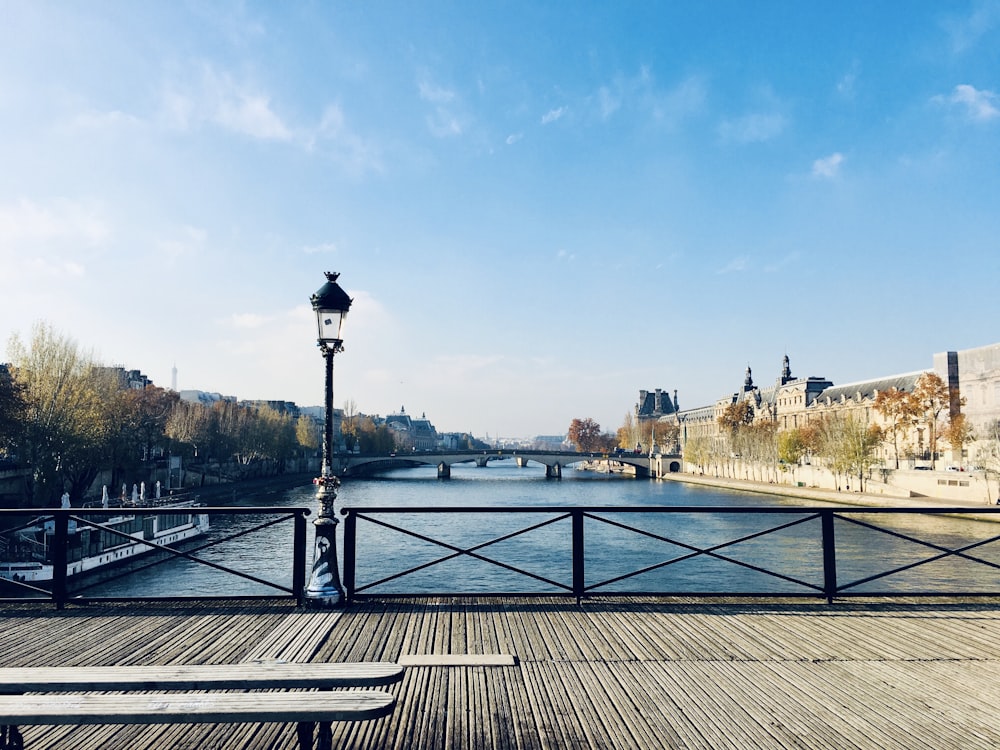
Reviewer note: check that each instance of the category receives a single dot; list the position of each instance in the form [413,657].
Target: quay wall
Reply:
[876,494]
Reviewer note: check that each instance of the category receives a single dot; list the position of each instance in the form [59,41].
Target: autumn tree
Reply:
[988,457]
[66,399]
[899,409]
[309,434]
[958,433]
[585,434]
[735,415]
[12,411]
[932,397]
[698,451]
[848,445]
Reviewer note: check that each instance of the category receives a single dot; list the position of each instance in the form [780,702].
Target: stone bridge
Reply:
[360,464]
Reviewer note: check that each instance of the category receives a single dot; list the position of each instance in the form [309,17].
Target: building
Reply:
[972,375]
[413,434]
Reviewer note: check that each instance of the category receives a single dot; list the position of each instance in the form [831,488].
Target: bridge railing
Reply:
[689,551]
[257,531]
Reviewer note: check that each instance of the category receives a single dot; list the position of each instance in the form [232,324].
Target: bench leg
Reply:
[10,738]
[304,729]
[325,739]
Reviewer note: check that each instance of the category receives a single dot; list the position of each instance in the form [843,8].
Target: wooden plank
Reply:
[345,705]
[269,675]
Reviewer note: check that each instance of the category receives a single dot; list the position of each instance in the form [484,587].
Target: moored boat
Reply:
[98,541]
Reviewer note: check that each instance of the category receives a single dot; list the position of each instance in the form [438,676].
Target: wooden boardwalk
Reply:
[622,674]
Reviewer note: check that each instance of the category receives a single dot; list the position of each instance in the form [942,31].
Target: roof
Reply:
[869,388]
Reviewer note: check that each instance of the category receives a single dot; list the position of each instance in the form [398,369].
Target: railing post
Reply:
[829,556]
[299,557]
[350,551]
[578,558]
[60,555]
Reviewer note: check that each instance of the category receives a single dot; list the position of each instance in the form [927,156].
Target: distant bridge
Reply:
[360,464]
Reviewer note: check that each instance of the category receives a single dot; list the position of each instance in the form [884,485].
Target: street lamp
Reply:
[330,304]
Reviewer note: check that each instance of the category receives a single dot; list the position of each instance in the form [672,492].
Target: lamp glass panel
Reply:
[329,324]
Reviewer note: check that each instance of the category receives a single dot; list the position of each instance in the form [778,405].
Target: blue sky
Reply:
[539,208]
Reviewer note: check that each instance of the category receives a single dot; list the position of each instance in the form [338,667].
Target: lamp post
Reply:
[330,304]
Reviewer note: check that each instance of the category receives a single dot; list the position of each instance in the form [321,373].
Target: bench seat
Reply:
[195,708]
[245,676]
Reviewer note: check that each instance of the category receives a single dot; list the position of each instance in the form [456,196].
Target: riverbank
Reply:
[230,492]
[829,496]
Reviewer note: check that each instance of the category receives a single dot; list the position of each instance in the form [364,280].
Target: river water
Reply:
[616,546]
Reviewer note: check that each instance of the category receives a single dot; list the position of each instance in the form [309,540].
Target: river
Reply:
[611,550]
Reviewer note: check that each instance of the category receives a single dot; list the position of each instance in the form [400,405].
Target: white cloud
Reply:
[967,31]
[431,92]
[445,119]
[553,114]
[565,255]
[336,139]
[736,265]
[218,99]
[188,242]
[113,120]
[978,104]
[608,101]
[753,128]
[828,167]
[28,222]
[249,320]
[324,248]
[686,99]
[514,138]
[251,114]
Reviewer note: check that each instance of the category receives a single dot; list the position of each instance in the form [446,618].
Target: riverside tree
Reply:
[899,410]
[65,426]
[932,396]
[585,434]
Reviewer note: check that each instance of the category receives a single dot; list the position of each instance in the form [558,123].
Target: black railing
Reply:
[62,583]
[693,551]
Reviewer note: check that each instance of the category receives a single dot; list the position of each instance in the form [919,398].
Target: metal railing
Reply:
[63,586]
[639,551]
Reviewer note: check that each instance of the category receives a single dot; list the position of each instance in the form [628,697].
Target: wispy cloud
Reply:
[445,119]
[685,99]
[755,127]
[514,138]
[28,222]
[566,256]
[553,114]
[736,265]
[978,105]
[965,32]
[187,242]
[828,167]
[324,248]
[217,98]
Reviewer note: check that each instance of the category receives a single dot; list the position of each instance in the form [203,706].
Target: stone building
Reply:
[972,375]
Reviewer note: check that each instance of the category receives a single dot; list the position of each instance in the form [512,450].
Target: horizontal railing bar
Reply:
[748,509]
[155,510]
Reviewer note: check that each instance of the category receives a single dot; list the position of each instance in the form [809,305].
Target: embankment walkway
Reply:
[628,674]
[845,497]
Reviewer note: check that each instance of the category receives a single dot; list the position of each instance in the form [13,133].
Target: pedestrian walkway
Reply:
[537,673]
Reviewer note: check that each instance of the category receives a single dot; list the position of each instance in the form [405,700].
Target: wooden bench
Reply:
[61,703]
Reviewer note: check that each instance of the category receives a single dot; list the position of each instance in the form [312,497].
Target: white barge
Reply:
[106,540]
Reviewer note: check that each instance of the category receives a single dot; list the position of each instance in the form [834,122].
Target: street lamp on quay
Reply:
[330,304]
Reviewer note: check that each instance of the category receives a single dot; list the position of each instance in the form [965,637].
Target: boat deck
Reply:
[621,674]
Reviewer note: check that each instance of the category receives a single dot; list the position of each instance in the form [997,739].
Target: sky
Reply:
[539,208]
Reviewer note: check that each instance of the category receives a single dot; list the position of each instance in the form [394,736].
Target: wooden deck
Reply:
[624,674]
